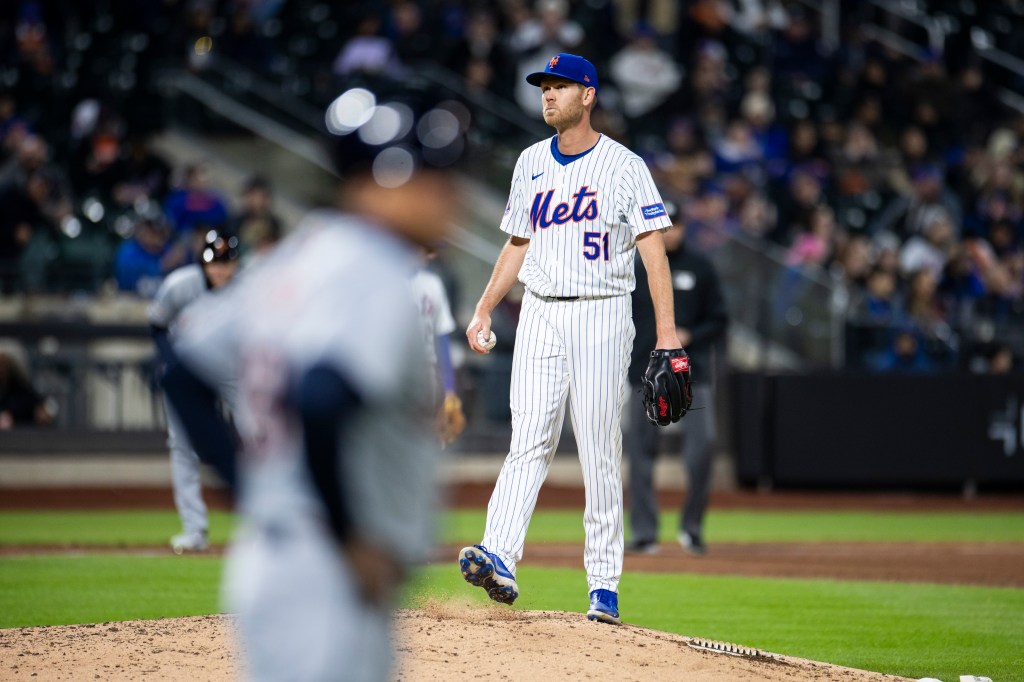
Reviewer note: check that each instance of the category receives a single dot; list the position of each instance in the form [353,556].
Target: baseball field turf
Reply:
[911,629]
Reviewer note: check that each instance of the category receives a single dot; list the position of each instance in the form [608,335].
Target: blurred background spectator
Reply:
[877,180]
[22,216]
[145,258]
[646,77]
[144,175]
[536,36]
[194,203]
[20,403]
[368,52]
[255,225]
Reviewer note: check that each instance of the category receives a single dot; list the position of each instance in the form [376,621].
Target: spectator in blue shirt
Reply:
[195,203]
[905,355]
[142,260]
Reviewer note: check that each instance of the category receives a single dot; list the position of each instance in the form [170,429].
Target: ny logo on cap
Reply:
[553,62]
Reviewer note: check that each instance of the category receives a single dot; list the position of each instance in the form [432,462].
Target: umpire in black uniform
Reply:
[701,317]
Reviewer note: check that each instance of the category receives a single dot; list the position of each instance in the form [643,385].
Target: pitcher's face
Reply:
[562,102]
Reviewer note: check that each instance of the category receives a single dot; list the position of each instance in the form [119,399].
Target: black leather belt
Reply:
[566,298]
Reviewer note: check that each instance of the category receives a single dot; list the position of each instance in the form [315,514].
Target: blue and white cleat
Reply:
[604,607]
[484,569]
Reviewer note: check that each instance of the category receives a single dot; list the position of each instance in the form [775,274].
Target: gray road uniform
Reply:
[436,316]
[180,289]
[335,293]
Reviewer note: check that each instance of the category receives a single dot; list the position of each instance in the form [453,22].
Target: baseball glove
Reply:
[450,419]
[666,386]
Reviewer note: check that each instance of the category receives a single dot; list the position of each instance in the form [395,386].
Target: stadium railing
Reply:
[99,380]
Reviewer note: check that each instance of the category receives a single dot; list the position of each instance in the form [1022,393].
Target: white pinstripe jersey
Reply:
[582,215]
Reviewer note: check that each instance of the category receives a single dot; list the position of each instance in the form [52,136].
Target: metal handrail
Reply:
[828,10]
[1003,59]
[776,254]
[304,146]
[900,9]
[893,41]
[474,245]
[309,115]
[266,90]
[1011,63]
[485,101]
[247,117]
[934,27]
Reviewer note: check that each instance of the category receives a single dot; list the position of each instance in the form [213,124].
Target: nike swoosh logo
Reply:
[537,175]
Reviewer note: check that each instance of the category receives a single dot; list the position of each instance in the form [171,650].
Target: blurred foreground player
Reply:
[217,264]
[336,484]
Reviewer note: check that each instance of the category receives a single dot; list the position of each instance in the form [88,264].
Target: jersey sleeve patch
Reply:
[653,211]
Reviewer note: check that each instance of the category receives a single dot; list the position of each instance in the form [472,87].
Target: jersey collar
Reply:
[566,159]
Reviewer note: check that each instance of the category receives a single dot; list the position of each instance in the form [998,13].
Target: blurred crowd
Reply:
[897,179]
[86,202]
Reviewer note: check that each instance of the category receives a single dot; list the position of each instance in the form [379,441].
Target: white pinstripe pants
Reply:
[580,350]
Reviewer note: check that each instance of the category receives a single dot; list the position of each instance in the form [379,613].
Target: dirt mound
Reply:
[442,639]
[433,642]
[200,648]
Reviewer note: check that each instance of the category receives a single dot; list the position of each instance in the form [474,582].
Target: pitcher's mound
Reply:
[436,642]
[443,639]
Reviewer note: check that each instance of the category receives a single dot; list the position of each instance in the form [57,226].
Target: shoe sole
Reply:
[602,617]
[478,570]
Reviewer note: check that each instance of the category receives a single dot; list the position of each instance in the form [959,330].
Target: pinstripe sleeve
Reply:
[644,207]
[516,220]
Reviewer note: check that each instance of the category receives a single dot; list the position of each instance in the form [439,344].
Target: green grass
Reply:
[905,629]
[61,590]
[101,528]
[155,527]
[909,629]
[915,630]
[850,526]
[779,526]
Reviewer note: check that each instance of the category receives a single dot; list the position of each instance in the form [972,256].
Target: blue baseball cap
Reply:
[569,66]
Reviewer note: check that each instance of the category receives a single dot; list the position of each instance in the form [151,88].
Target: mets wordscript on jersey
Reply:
[542,214]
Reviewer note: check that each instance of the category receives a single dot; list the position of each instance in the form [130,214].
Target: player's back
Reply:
[180,288]
[336,293]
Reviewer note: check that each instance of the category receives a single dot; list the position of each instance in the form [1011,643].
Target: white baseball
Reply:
[486,343]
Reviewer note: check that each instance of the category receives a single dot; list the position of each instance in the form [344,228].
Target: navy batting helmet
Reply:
[392,137]
[218,247]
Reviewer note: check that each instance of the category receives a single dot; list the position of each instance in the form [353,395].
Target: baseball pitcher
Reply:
[580,206]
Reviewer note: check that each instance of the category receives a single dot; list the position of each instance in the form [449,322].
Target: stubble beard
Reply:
[567,117]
